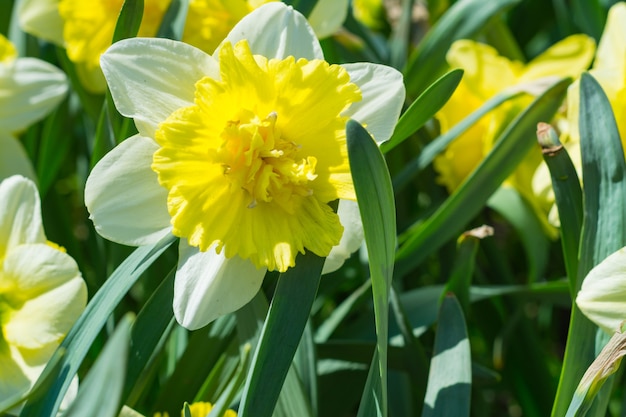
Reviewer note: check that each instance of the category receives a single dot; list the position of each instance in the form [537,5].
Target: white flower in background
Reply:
[238,154]
[29,89]
[42,292]
[602,297]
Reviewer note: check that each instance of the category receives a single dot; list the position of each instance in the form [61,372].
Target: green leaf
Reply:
[467,201]
[372,402]
[287,316]
[424,108]
[92,103]
[221,405]
[372,185]
[104,139]
[604,222]
[100,393]
[417,360]
[569,201]
[54,146]
[460,279]
[173,24]
[462,21]
[202,353]
[46,400]
[153,325]
[450,376]
[293,400]
[589,16]
[508,202]
[129,20]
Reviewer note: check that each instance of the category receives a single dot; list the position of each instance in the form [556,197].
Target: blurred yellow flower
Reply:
[29,89]
[85,28]
[371,13]
[42,292]
[238,154]
[486,74]
[209,21]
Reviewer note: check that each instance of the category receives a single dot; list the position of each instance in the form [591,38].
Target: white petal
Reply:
[14,379]
[275,30]
[41,18]
[612,46]
[383,93]
[45,297]
[149,78]
[602,296]
[208,285]
[13,159]
[123,195]
[327,16]
[20,214]
[351,239]
[29,89]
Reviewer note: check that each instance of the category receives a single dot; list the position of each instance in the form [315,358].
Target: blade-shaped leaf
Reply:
[101,391]
[569,201]
[450,376]
[424,108]
[372,185]
[604,222]
[129,20]
[287,316]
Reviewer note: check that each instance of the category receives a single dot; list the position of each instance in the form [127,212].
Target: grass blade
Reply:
[424,108]
[450,376]
[604,222]
[100,393]
[287,316]
[372,184]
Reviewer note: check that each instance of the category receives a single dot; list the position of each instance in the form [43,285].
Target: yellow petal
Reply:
[253,163]
[612,47]
[567,58]
[486,72]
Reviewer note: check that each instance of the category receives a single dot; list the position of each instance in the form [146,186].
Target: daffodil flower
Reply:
[42,292]
[29,89]
[486,74]
[238,154]
[602,296]
[85,28]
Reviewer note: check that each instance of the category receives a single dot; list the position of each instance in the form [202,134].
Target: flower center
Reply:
[251,167]
[258,160]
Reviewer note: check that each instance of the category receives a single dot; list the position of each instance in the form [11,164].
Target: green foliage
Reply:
[429,317]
